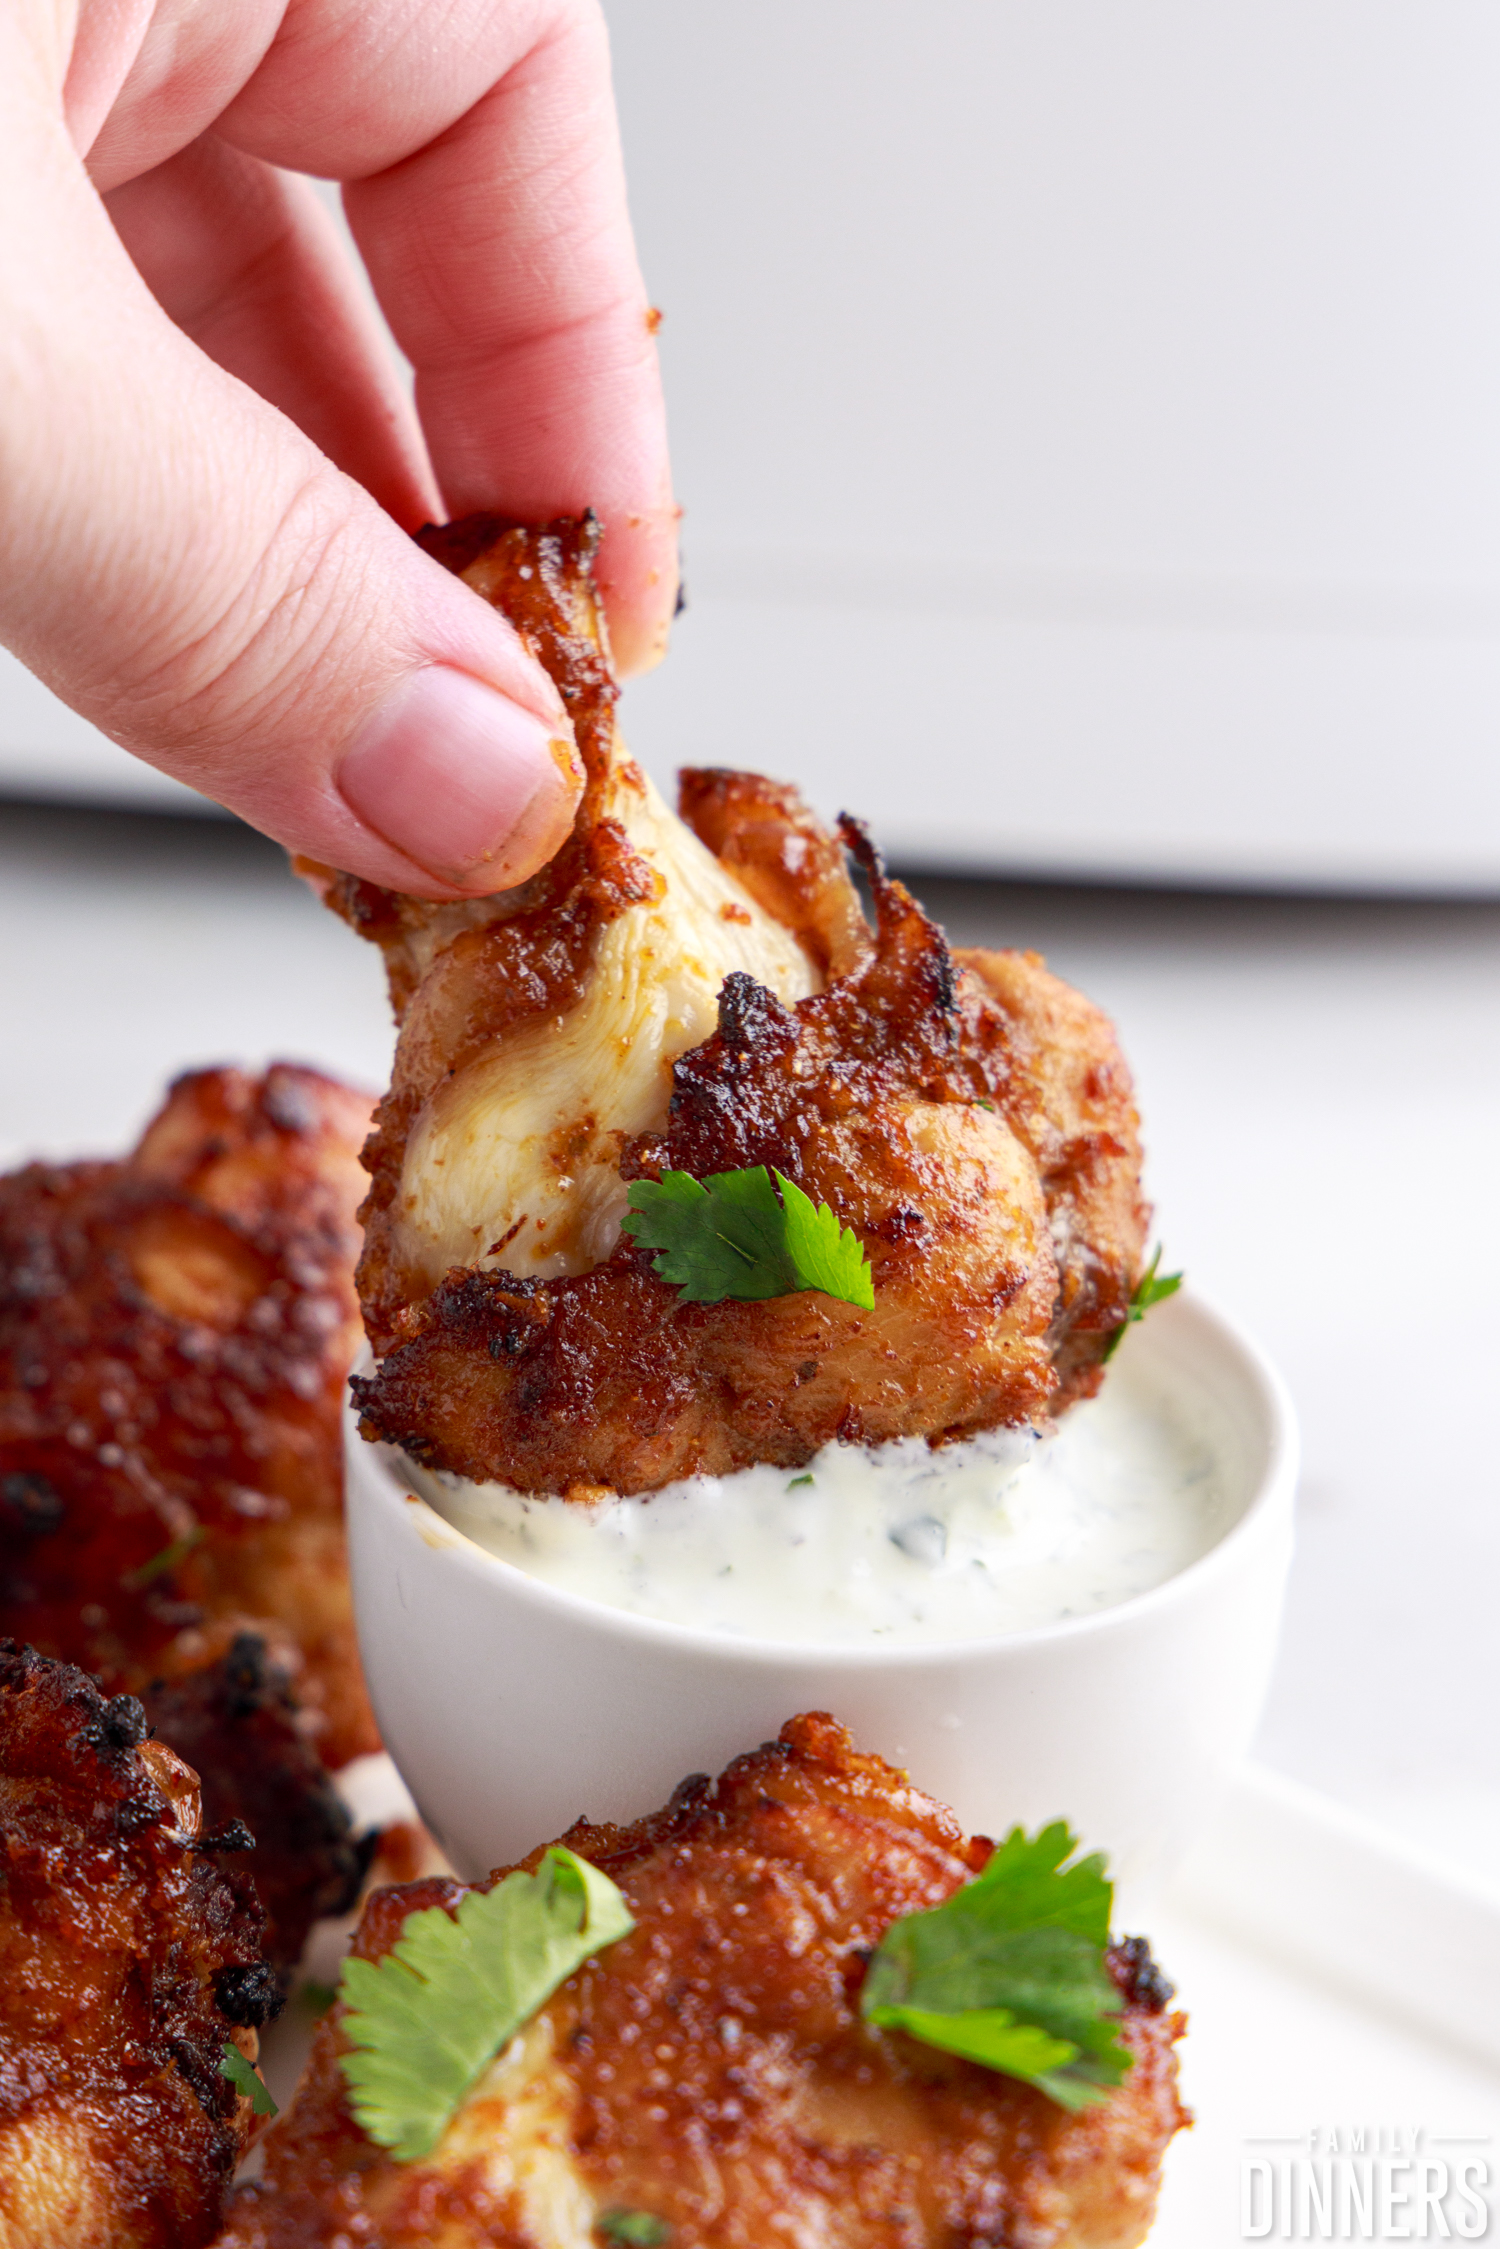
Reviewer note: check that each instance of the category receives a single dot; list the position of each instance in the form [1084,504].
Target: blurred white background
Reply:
[1093,408]
[1097,406]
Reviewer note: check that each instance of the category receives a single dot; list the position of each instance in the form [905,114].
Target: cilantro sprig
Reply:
[640,2229]
[736,1234]
[1148,1290]
[1010,1971]
[244,2077]
[425,2020]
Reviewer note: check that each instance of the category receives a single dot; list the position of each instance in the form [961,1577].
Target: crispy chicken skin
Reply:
[713,2068]
[704,994]
[237,1723]
[129,1956]
[175,1331]
[537,1025]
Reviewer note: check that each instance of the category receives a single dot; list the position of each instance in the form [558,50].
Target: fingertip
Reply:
[640,583]
[475,790]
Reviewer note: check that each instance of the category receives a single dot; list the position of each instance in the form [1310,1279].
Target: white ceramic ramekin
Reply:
[512,1708]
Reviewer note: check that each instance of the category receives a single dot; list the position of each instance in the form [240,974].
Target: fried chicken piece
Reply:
[175,1332]
[128,1959]
[713,2069]
[706,1000]
[536,1025]
[1068,1097]
[238,1725]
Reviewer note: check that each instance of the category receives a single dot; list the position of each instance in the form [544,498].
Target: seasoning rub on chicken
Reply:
[710,2079]
[704,994]
[175,1333]
[131,1966]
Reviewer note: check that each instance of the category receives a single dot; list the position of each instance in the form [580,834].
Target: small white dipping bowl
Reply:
[512,1707]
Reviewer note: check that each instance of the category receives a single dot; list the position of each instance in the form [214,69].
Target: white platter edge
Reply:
[1340,1987]
[1330,1893]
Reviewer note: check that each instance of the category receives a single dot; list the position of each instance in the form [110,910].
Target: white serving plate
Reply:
[1335,1981]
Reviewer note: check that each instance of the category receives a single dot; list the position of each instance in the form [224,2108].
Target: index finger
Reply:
[501,250]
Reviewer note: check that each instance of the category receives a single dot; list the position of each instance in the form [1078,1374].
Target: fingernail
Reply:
[460,778]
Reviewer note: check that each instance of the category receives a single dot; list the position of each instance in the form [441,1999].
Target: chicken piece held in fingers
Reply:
[704,994]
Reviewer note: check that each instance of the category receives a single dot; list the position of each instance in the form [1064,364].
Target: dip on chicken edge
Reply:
[902,1542]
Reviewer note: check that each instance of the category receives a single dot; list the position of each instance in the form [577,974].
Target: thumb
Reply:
[187,570]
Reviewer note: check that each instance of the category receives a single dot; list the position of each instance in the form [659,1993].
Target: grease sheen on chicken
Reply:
[705,993]
[713,2071]
[175,1331]
[129,1957]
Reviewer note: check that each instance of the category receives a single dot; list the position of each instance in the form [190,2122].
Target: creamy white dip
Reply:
[894,1542]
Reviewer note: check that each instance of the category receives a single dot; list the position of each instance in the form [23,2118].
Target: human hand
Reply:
[208,466]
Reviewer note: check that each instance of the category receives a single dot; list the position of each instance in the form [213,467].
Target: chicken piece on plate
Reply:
[175,1334]
[175,1331]
[236,1722]
[129,1959]
[705,994]
[711,2073]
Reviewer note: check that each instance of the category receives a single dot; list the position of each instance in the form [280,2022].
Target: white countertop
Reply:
[1320,1083]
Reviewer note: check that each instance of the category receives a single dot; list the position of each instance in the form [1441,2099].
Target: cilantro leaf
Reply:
[135,1581]
[633,2227]
[244,2077]
[432,2014]
[1010,1971]
[732,1235]
[1148,1291]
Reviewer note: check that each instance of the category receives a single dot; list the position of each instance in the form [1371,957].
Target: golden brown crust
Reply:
[783,855]
[539,576]
[464,976]
[175,1332]
[713,2068]
[863,1094]
[237,1723]
[995,1183]
[938,1122]
[1068,1097]
[128,1957]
